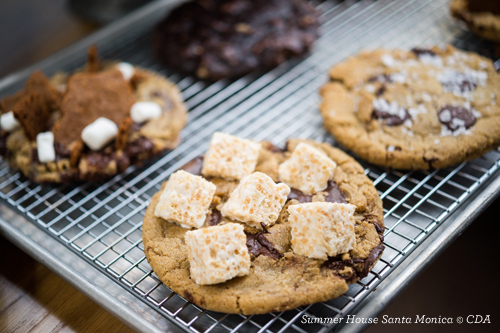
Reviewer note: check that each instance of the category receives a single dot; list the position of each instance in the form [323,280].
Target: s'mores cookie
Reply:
[262,244]
[89,125]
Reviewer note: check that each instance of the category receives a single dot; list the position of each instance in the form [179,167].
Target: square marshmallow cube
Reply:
[98,134]
[8,122]
[127,70]
[45,147]
[217,254]
[143,111]
[185,200]
[230,157]
[307,170]
[256,199]
[321,229]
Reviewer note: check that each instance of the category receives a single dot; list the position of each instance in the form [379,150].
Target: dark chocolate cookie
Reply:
[229,38]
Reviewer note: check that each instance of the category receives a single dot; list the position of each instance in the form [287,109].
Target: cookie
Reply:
[420,109]
[481,16]
[89,125]
[311,249]
[216,39]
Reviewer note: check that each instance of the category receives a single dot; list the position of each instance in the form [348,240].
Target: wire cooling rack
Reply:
[101,223]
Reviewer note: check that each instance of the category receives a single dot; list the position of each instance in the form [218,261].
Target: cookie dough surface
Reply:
[481,16]
[279,279]
[420,109]
[229,38]
[66,104]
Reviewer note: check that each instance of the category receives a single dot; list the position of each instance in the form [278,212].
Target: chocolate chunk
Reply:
[489,6]
[215,217]
[381,78]
[455,117]
[3,144]
[299,196]
[337,264]
[194,166]
[275,149]
[380,91]
[258,244]
[334,194]
[458,82]
[216,39]
[368,262]
[421,51]
[430,161]
[141,146]
[389,118]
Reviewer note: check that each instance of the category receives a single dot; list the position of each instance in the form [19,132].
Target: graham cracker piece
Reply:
[33,113]
[8,102]
[88,97]
[123,133]
[93,62]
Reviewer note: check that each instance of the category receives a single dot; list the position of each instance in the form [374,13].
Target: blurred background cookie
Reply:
[230,38]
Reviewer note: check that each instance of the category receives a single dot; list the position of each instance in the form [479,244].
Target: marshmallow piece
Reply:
[126,69]
[8,122]
[256,199]
[230,157]
[307,170]
[99,133]
[142,111]
[185,200]
[321,229]
[45,147]
[217,254]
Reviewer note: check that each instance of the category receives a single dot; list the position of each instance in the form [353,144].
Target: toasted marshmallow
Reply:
[99,133]
[256,199]
[321,229]
[126,69]
[230,157]
[143,111]
[8,122]
[217,254]
[185,200]
[45,147]
[307,170]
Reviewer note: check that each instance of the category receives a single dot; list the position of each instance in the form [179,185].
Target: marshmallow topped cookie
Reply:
[277,230]
[90,125]
[420,109]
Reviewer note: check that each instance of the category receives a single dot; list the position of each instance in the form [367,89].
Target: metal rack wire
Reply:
[102,222]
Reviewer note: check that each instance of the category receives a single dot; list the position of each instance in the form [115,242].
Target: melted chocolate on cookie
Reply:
[194,166]
[421,51]
[455,117]
[334,194]
[214,217]
[258,244]
[389,118]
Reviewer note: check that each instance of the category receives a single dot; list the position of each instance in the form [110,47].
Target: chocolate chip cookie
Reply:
[268,274]
[229,38]
[419,109]
[89,125]
[481,16]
